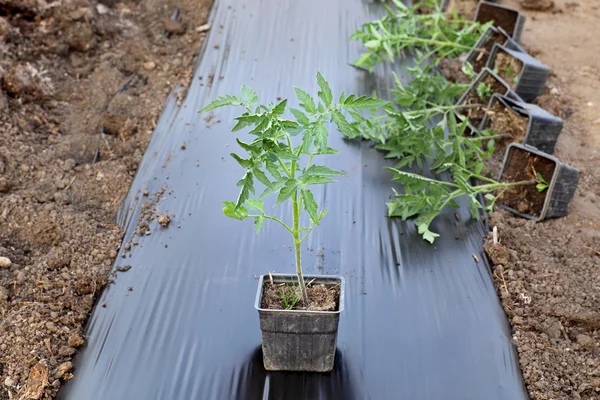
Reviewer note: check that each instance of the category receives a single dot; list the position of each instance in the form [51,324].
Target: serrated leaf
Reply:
[368,103]
[310,205]
[321,135]
[286,155]
[322,170]
[249,96]
[274,188]
[325,92]
[273,169]
[261,177]
[306,102]
[255,204]
[250,148]
[343,125]
[242,161]
[279,109]
[287,191]
[232,211]
[314,180]
[222,102]
[300,116]
[247,185]
[258,223]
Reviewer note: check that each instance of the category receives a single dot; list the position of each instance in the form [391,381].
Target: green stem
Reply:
[297,243]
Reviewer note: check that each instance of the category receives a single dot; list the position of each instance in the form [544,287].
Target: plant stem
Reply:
[297,243]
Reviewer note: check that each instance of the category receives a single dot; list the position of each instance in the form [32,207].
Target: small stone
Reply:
[21,277]
[145,192]
[164,220]
[66,351]
[590,104]
[183,146]
[149,66]
[584,340]
[172,26]
[9,382]
[102,9]
[75,339]
[5,262]
[554,91]
[63,369]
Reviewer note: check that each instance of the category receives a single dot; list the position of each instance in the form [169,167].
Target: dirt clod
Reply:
[75,339]
[164,220]
[537,5]
[66,351]
[5,262]
[63,369]
[173,26]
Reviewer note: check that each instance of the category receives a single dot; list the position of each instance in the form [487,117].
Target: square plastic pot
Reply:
[488,35]
[543,128]
[533,75]
[299,340]
[507,18]
[561,188]
[508,92]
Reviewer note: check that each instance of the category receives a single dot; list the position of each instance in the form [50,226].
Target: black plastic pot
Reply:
[531,79]
[508,92]
[543,128]
[488,35]
[507,18]
[561,188]
[299,340]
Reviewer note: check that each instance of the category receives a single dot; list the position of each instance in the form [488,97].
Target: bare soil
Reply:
[547,274]
[282,296]
[523,166]
[82,83]
[508,67]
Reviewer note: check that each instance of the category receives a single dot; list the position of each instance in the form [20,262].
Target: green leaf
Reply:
[250,148]
[310,205]
[279,109]
[232,211]
[287,191]
[367,103]
[343,125]
[261,177]
[242,161]
[325,92]
[258,223]
[321,135]
[300,116]
[222,102]
[322,170]
[247,185]
[255,204]
[286,155]
[306,102]
[249,96]
[314,180]
[273,169]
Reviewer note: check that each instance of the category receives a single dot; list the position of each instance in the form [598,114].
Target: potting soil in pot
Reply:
[508,68]
[484,53]
[479,97]
[503,121]
[320,297]
[504,18]
[524,166]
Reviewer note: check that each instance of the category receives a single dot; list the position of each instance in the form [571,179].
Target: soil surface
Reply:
[508,67]
[481,59]
[478,104]
[283,296]
[548,273]
[523,166]
[502,121]
[503,18]
[82,83]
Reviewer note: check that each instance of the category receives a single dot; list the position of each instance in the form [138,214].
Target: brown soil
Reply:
[451,68]
[549,276]
[502,121]
[478,105]
[508,67]
[524,166]
[69,71]
[505,19]
[465,8]
[320,297]
[481,59]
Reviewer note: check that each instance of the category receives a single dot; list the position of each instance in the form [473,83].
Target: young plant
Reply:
[541,183]
[406,29]
[485,91]
[285,169]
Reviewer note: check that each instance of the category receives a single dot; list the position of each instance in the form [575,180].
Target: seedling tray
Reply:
[543,128]
[529,82]
[509,19]
[561,186]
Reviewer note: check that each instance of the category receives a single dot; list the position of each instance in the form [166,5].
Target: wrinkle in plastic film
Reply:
[421,321]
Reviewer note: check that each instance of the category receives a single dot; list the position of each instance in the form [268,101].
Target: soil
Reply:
[465,8]
[478,105]
[508,67]
[321,297]
[547,274]
[504,18]
[82,83]
[522,166]
[502,121]
[481,59]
